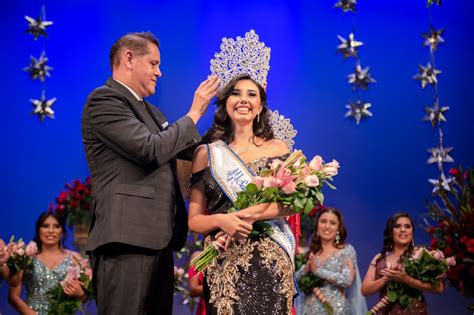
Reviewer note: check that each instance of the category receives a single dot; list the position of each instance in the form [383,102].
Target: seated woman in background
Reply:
[387,266]
[50,267]
[333,260]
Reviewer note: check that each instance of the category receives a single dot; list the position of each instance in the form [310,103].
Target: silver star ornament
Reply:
[38,68]
[37,27]
[427,75]
[440,155]
[361,78]
[443,183]
[42,107]
[346,5]
[348,47]
[435,114]
[433,39]
[358,110]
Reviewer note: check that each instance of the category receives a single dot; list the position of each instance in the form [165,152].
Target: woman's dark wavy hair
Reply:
[315,246]
[39,222]
[222,128]
[388,236]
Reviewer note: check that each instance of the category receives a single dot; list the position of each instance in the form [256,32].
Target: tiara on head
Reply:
[241,56]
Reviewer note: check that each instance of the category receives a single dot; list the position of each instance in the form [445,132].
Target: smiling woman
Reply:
[50,267]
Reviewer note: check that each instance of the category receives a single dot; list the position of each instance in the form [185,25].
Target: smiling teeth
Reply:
[243,110]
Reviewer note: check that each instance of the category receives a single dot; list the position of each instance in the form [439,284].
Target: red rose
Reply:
[460,255]
[76,182]
[431,229]
[454,171]
[463,239]
[434,243]
[73,204]
[88,181]
[81,187]
[449,239]
[76,196]
[442,224]
[60,208]
[470,246]
[448,251]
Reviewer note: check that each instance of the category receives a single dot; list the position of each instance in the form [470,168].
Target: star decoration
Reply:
[360,78]
[358,110]
[429,3]
[346,5]
[433,38]
[435,114]
[37,27]
[42,107]
[427,75]
[442,183]
[348,47]
[440,155]
[38,68]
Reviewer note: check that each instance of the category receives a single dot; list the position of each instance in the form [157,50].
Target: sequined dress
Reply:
[416,307]
[336,271]
[40,280]
[253,276]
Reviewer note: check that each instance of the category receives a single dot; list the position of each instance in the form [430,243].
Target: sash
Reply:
[232,176]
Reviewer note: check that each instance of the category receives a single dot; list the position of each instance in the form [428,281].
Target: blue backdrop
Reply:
[383,161]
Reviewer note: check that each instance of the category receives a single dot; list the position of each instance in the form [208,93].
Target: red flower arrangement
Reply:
[451,226]
[74,202]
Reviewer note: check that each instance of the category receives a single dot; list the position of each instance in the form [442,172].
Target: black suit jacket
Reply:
[131,157]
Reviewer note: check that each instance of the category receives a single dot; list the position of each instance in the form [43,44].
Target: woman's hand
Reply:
[234,224]
[73,288]
[311,264]
[398,275]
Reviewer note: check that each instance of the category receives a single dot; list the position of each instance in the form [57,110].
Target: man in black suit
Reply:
[138,214]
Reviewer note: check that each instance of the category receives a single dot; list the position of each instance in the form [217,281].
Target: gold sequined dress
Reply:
[253,276]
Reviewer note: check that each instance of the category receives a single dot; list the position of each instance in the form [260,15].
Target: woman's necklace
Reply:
[242,149]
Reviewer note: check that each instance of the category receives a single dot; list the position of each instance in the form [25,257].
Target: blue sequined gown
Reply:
[335,270]
[40,280]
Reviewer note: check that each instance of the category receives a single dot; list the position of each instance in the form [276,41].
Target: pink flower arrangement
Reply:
[60,302]
[20,254]
[293,183]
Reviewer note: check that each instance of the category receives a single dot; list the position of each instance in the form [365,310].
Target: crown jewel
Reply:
[282,128]
[241,56]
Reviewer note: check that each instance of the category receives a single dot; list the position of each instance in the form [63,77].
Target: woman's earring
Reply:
[338,238]
[258,117]
[413,243]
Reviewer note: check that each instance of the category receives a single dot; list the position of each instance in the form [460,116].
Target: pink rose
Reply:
[451,261]
[20,251]
[289,187]
[331,168]
[88,272]
[31,249]
[258,180]
[437,254]
[316,163]
[311,181]
[73,273]
[270,182]
[305,171]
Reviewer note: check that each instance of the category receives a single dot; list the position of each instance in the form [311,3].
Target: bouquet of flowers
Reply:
[61,303]
[426,266]
[293,183]
[450,223]
[21,255]
[75,202]
[310,283]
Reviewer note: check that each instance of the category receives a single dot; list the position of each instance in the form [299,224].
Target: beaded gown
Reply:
[335,270]
[416,307]
[253,276]
[40,280]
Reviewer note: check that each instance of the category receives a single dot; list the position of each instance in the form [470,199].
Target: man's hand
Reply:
[202,97]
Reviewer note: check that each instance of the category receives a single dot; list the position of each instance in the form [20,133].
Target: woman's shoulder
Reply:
[278,146]
[200,158]
[348,249]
